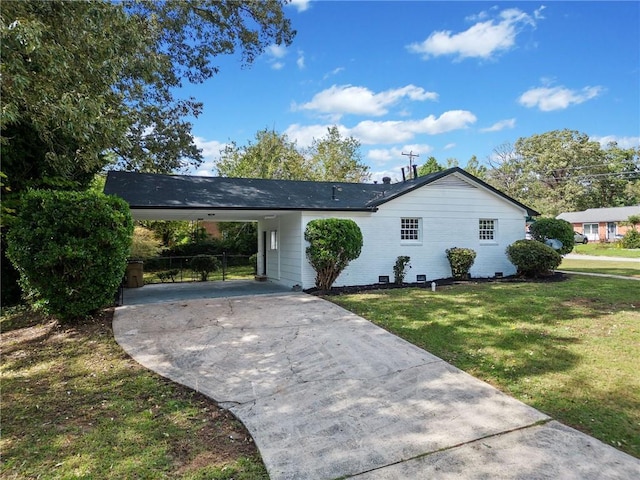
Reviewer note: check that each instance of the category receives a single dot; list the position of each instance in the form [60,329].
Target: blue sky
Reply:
[443,79]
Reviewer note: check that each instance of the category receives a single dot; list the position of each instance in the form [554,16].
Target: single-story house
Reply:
[601,224]
[419,218]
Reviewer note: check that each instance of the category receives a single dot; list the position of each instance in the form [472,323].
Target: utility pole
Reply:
[411,155]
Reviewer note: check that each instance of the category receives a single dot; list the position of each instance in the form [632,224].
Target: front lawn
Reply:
[569,348]
[606,250]
[624,268]
[74,405]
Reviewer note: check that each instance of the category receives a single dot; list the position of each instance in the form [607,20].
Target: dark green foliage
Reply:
[204,265]
[333,243]
[212,246]
[399,269]
[461,261]
[631,239]
[70,249]
[548,228]
[533,258]
[253,261]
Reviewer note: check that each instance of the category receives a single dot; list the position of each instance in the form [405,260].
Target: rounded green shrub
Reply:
[461,260]
[631,239]
[548,228]
[333,243]
[533,258]
[204,265]
[70,249]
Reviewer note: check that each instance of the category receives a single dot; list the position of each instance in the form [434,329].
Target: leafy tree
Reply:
[545,229]
[337,159]
[144,244]
[532,258]
[90,83]
[333,243]
[272,155]
[430,166]
[475,169]
[70,249]
[564,170]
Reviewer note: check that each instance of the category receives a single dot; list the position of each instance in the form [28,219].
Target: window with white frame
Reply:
[274,240]
[410,230]
[487,229]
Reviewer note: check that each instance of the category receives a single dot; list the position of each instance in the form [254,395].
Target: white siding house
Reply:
[420,218]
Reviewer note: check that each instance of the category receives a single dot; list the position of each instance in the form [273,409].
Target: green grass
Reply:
[569,349]
[606,250]
[75,405]
[241,272]
[626,269]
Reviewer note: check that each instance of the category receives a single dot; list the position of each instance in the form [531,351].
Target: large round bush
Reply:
[204,265]
[547,228]
[533,258]
[461,260]
[333,243]
[71,250]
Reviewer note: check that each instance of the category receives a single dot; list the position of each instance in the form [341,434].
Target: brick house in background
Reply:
[601,224]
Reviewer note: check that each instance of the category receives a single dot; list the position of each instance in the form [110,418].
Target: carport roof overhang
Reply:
[216,215]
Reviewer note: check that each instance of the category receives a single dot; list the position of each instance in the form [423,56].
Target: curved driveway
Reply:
[327,395]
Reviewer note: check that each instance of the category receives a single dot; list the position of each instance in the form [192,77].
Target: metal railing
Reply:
[178,269]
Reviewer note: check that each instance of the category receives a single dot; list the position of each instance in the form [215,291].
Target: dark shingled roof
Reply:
[155,191]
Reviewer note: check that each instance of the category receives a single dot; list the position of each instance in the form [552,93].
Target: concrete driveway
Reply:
[328,395]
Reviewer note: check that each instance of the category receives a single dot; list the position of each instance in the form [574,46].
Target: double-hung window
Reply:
[487,230]
[410,230]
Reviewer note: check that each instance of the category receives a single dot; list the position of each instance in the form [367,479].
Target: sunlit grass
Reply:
[74,405]
[624,268]
[606,250]
[569,349]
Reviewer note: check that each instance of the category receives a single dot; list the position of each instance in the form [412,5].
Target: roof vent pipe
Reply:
[415,171]
[404,177]
[386,180]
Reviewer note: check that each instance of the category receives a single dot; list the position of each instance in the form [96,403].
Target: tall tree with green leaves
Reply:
[335,158]
[270,155]
[331,158]
[87,83]
[564,170]
[430,166]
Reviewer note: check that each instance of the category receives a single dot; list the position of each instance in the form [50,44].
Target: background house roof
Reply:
[597,215]
[155,191]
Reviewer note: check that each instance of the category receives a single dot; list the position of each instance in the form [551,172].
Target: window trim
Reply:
[417,229]
[483,231]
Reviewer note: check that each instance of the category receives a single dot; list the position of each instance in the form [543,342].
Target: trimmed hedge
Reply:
[333,243]
[70,249]
[204,265]
[533,258]
[461,260]
[548,228]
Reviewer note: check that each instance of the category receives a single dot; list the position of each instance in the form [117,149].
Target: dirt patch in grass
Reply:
[80,406]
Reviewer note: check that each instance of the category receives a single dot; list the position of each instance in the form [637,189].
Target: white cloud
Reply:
[210,153]
[348,99]
[380,156]
[548,99]
[501,125]
[623,142]
[276,51]
[449,146]
[333,72]
[301,5]
[300,61]
[370,132]
[483,40]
